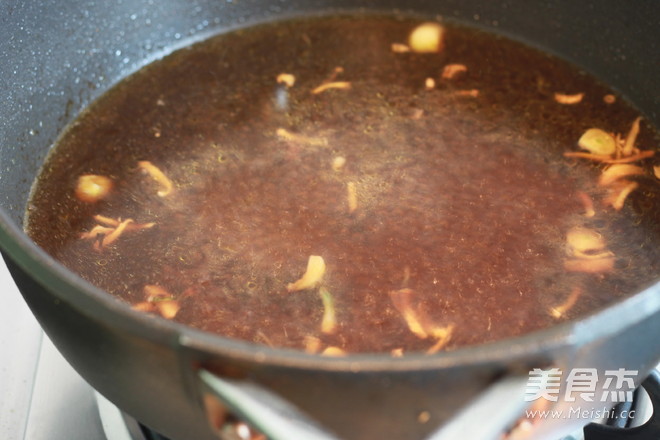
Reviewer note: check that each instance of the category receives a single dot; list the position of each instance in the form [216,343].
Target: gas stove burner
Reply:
[636,420]
[645,425]
[118,425]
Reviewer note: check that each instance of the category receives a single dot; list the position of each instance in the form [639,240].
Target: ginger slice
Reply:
[427,38]
[451,70]
[158,176]
[582,240]
[620,193]
[342,85]
[443,336]
[472,93]
[312,344]
[611,149]
[587,203]
[402,300]
[603,158]
[109,230]
[144,306]
[332,83]
[400,48]
[106,221]
[586,265]
[96,232]
[586,248]
[91,188]
[155,292]
[286,135]
[329,322]
[338,163]
[333,351]
[111,222]
[629,144]
[351,195]
[312,276]
[418,322]
[597,142]
[287,79]
[565,99]
[560,310]
[163,301]
[115,234]
[618,171]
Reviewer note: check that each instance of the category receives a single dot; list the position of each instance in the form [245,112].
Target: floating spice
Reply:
[442,335]
[427,38]
[402,300]
[587,252]
[619,153]
[313,275]
[329,323]
[312,344]
[472,93]
[342,85]
[96,233]
[583,242]
[144,306]
[609,99]
[287,79]
[629,145]
[92,188]
[286,135]
[158,176]
[573,99]
[594,266]
[162,300]
[618,171]
[400,48]
[115,234]
[587,203]
[338,163]
[109,230]
[619,192]
[560,310]
[351,190]
[418,323]
[333,351]
[597,141]
[451,70]
[108,221]
[608,159]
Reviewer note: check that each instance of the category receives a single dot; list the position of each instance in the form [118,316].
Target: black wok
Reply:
[56,57]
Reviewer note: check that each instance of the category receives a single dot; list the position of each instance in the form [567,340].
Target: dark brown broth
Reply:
[467,203]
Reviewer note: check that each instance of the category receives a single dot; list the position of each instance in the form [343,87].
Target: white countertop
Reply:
[41,396]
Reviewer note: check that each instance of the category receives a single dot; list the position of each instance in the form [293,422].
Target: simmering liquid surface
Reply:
[440,203]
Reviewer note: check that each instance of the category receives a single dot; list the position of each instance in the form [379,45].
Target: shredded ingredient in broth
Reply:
[286,186]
